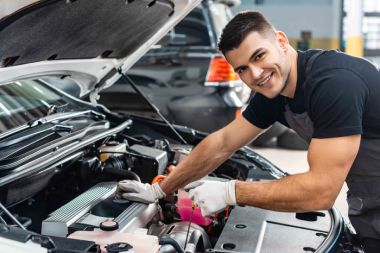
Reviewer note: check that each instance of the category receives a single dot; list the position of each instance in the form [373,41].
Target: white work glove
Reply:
[137,191]
[213,196]
[194,184]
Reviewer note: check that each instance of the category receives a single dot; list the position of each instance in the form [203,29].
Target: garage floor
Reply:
[294,162]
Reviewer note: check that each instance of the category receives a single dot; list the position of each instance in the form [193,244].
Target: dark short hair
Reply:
[240,26]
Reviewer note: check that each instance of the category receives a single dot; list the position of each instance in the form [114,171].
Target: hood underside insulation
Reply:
[81,29]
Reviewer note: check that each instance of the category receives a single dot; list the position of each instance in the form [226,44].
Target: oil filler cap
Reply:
[109,225]
[119,247]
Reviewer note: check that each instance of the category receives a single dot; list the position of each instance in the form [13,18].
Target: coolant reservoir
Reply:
[108,236]
[184,209]
[114,149]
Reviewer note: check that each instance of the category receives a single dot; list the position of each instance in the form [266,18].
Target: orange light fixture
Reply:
[221,71]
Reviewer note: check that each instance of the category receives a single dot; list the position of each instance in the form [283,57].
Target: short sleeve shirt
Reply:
[341,95]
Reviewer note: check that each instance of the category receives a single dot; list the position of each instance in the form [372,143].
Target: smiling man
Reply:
[331,99]
[272,76]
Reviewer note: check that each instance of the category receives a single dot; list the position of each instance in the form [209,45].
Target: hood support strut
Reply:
[151,105]
[5,210]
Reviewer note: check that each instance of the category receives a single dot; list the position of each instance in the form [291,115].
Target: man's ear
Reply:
[282,40]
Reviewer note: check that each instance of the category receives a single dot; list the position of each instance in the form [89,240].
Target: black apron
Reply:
[363,179]
[301,122]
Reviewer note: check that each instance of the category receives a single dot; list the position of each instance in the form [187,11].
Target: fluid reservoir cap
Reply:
[119,247]
[109,225]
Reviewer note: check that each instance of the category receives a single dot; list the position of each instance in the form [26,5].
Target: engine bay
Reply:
[75,206]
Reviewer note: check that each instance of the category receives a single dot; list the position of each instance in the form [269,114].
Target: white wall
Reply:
[294,16]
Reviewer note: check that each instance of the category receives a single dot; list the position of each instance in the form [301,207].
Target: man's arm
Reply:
[210,153]
[329,159]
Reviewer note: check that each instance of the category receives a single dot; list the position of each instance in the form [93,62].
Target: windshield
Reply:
[26,100]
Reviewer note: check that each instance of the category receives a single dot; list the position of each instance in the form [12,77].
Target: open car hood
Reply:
[85,40]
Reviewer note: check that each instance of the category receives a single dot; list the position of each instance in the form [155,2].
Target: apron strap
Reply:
[301,123]
[308,62]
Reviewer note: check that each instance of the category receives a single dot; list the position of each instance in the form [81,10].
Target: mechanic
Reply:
[331,99]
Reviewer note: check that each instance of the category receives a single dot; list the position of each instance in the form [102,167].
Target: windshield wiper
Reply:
[53,128]
[62,116]
[50,118]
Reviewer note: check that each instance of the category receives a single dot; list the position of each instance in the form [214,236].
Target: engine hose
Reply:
[167,240]
[5,210]
[125,174]
[25,221]
[116,166]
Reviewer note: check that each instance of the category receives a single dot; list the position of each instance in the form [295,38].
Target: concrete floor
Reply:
[293,161]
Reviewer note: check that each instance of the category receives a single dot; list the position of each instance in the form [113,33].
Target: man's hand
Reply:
[194,184]
[136,191]
[213,196]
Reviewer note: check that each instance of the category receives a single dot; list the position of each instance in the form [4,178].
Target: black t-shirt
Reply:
[341,97]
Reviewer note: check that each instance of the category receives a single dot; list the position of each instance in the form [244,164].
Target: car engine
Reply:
[78,199]
[67,200]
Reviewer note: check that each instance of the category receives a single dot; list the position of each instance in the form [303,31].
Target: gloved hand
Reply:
[194,184]
[213,196]
[137,191]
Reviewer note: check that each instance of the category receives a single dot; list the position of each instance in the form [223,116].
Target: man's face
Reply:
[262,62]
